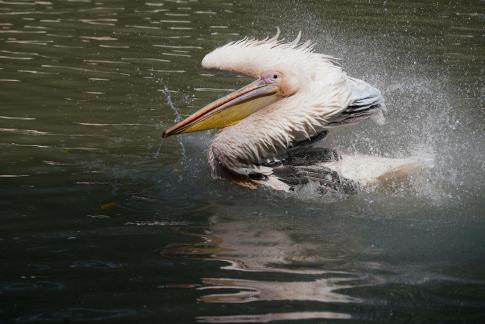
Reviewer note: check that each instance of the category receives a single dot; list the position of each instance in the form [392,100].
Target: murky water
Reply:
[100,221]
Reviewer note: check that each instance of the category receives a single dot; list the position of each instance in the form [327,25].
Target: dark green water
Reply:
[100,222]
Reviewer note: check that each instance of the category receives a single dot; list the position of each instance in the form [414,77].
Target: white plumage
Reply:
[326,98]
[269,126]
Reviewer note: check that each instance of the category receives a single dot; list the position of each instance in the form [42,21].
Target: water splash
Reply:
[178,117]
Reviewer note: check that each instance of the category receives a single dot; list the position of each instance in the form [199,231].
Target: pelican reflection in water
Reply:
[270,127]
[261,260]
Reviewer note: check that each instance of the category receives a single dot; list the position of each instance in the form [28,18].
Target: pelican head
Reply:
[270,87]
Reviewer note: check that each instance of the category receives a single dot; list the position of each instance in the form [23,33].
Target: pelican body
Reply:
[269,127]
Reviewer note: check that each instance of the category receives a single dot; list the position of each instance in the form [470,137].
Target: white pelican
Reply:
[269,126]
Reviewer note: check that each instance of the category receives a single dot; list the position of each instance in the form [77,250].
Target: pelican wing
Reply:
[365,101]
[308,165]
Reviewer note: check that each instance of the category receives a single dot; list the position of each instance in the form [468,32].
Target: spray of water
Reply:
[178,117]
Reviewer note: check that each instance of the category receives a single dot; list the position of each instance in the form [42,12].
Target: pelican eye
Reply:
[271,76]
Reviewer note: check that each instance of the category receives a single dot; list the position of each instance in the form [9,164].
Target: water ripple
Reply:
[175,21]
[321,290]
[266,318]
[14,57]
[17,118]
[82,69]
[100,21]
[80,314]
[100,38]
[142,27]
[115,124]
[147,59]
[25,131]
[177,46]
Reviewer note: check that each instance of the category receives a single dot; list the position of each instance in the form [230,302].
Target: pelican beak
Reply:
[228,110]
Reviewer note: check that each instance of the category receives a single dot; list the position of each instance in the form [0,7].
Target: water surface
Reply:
[101,221]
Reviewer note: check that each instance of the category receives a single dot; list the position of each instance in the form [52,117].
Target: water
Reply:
[100,222]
